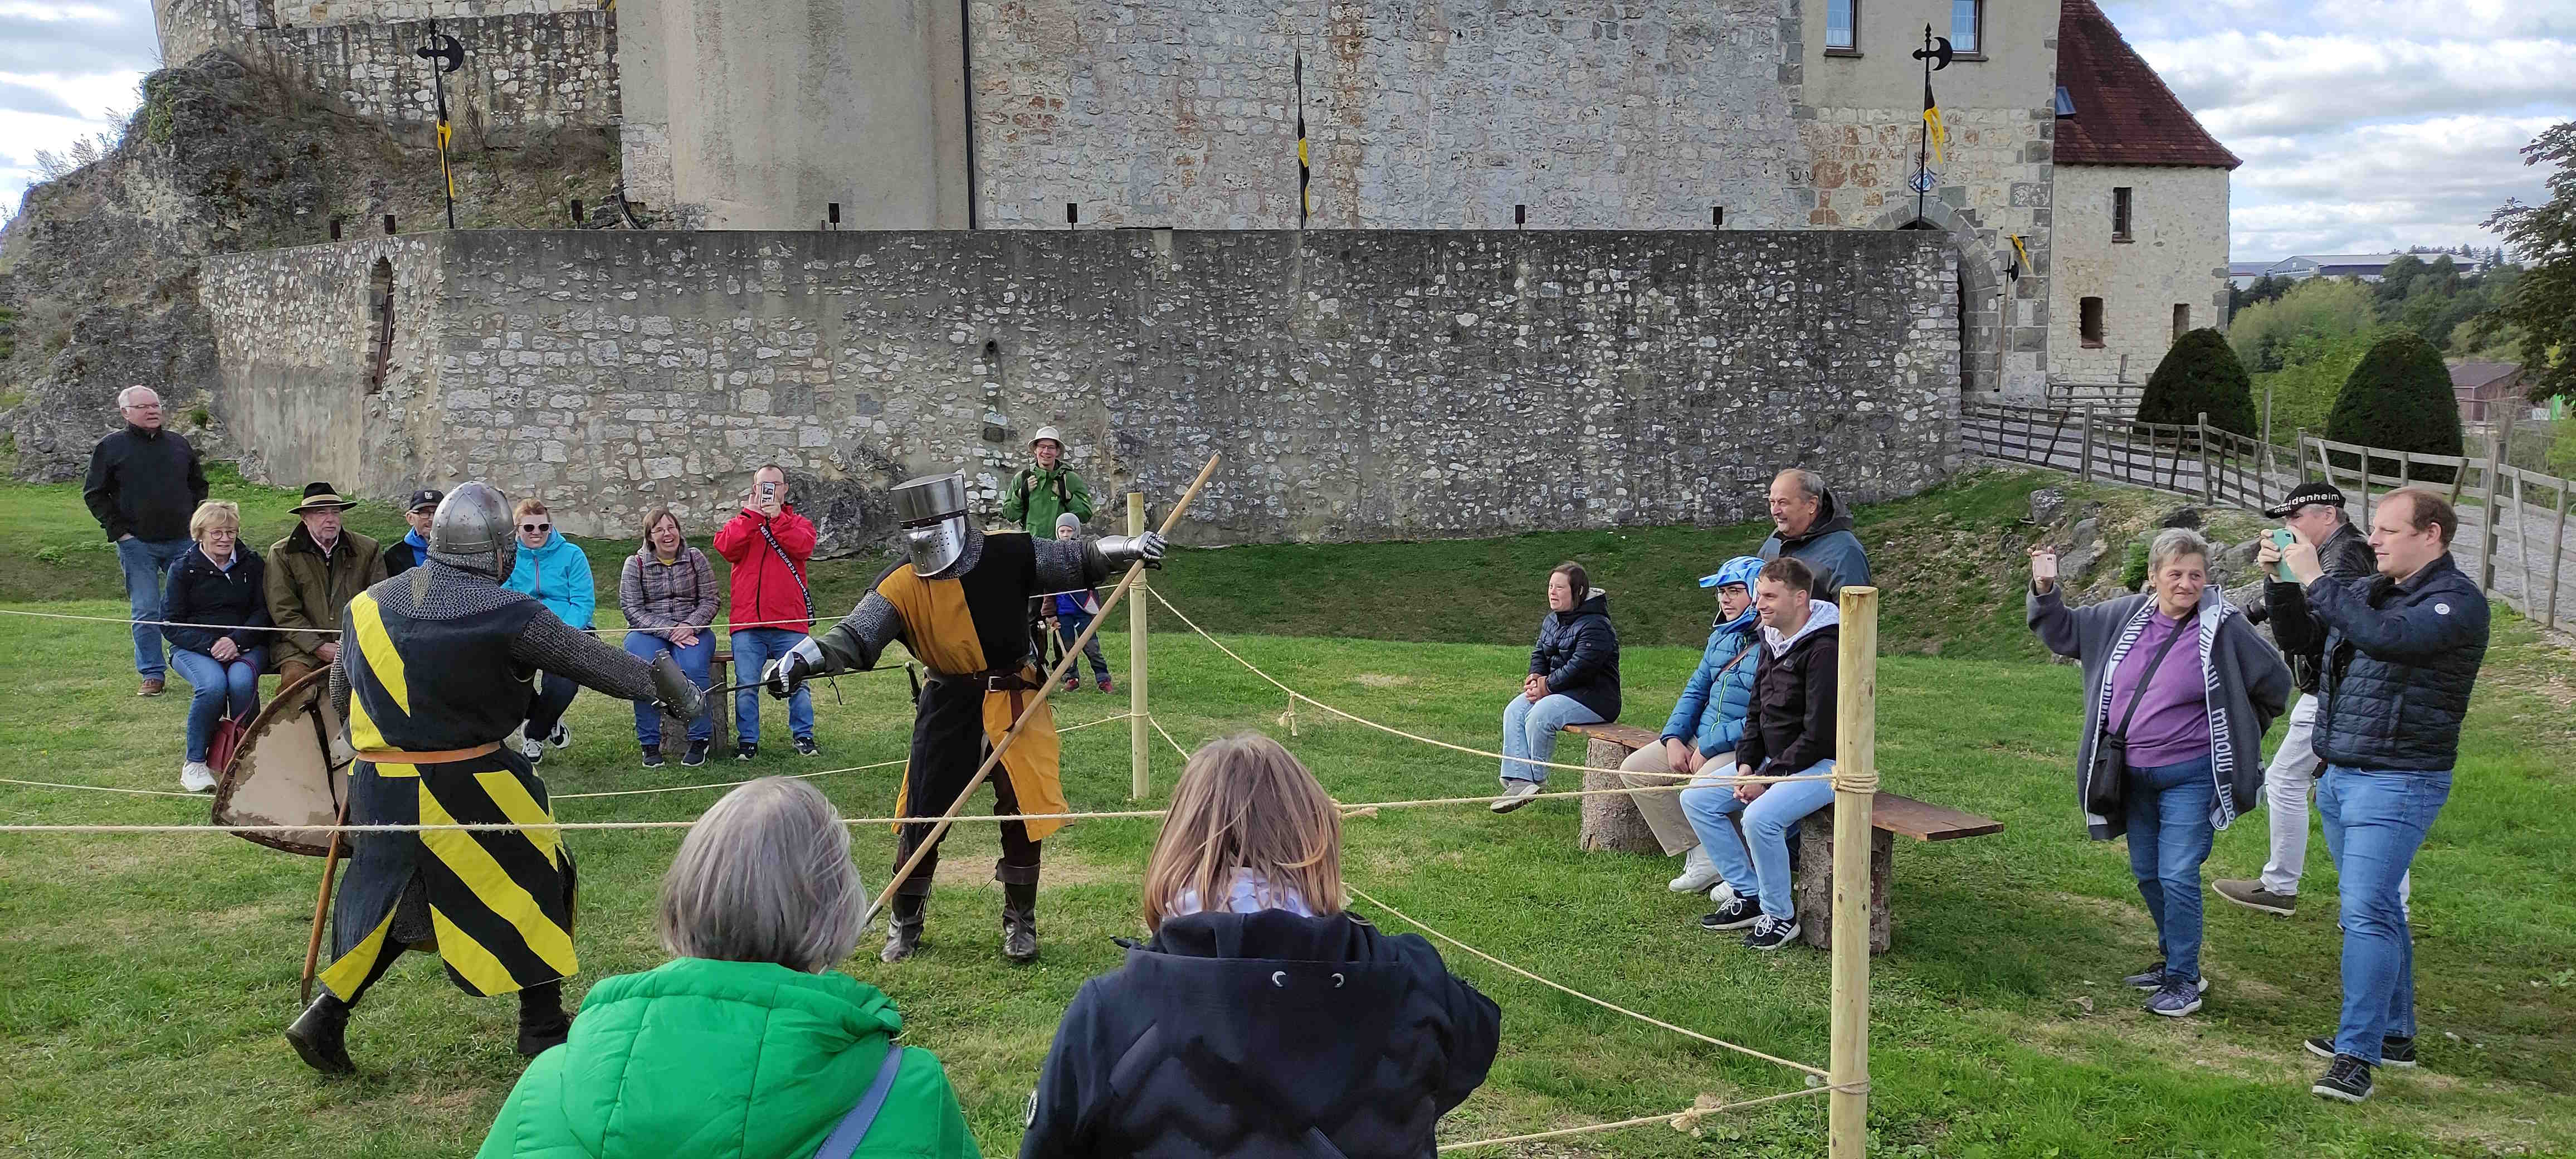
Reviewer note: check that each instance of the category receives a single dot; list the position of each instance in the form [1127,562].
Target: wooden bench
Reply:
[1611,822]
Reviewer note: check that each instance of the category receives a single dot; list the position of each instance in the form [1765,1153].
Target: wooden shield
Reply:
[282,774]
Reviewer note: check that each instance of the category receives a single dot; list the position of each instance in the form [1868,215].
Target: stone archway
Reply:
[1983,336]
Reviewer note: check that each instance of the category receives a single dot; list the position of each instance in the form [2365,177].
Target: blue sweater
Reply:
[1710,713]
[558,574]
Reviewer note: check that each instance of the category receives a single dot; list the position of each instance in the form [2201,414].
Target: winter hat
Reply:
[2313,491]
[1068,519]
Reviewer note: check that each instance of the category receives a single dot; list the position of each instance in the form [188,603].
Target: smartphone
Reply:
[769,490]
[2044,566]
[2281,541]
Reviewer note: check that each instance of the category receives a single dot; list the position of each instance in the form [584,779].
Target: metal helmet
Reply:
[932,512]
[472,529]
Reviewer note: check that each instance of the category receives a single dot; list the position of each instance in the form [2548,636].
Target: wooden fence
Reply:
[2501,506]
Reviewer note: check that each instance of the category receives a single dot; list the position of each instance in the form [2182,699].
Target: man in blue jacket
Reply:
[1705,724]
[2401,651]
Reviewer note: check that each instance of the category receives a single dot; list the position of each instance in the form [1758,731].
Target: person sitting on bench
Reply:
[1789,731]
[1700,736]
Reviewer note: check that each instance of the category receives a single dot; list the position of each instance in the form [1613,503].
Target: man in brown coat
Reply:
[313,573]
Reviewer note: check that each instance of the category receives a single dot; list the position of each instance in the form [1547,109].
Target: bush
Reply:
[2399,398]
[2303,391]
[2201,375]
[2328,308]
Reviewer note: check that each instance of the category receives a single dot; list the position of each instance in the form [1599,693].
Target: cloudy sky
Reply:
[2364,124]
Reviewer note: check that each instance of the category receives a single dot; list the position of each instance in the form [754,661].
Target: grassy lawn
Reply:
[149,976]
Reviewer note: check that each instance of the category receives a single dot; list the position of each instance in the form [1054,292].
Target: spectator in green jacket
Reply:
[747,1043]
[1046,489]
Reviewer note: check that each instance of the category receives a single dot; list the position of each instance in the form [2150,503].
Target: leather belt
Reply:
[427,757]
[1012,679]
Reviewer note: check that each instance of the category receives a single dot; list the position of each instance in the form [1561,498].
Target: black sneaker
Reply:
[746,751]
[2348,1080]
[561,737]
[1770,933]
[697,754]
[652,756]
[1737,913]
[2151,978]
[805,747]
[2393,1051]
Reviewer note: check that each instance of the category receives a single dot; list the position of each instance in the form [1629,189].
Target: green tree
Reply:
[2200,375]
[2330,308]
[2399,398]
[2302,393]
[2542,302]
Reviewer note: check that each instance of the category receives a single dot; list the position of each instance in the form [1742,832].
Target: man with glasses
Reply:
[144,484]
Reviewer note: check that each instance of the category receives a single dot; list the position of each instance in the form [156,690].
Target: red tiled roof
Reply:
[2124,114]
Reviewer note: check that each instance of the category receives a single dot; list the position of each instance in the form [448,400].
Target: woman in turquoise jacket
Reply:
[1705,724]
[550,568]
[748,1045]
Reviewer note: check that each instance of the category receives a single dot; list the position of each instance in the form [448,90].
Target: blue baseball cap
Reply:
[1739,570]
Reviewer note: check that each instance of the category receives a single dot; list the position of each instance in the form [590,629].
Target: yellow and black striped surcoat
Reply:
[499,901]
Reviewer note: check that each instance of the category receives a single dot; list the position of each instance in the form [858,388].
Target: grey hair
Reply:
[765,876]
[2173,542]
[1809,482]
[123,396]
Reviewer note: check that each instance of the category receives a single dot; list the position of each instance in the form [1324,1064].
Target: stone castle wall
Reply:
[1362,386]
[2176,255]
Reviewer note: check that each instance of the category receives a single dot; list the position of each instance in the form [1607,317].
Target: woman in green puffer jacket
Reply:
[748,1045]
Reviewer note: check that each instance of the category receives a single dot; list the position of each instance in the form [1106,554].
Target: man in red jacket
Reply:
[767,543]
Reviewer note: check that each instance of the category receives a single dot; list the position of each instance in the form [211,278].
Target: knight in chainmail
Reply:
[960,606]
[434,678]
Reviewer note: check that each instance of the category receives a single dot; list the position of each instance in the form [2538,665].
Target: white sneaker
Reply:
[562,737]
[1698,872]
[197,777]
[1516,796]
[1722,894]
[534,750]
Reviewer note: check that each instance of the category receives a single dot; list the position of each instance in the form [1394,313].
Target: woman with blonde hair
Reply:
[1262,1018]
[747,1042]
[668,592]
[215,598]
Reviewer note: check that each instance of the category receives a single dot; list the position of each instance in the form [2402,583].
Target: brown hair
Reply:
[2429,511]
[529,506]
[654,518]
[1789,572]
[1576,578]
[1245,804]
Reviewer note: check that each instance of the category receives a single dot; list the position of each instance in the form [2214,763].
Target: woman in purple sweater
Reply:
[2181,687]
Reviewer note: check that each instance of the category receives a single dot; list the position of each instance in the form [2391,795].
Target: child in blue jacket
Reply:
[1705,724]
[1073,611]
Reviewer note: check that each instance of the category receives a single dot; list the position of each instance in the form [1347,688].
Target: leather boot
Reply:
[1020,922]
[320,1035]
[542,1021]
[903,930]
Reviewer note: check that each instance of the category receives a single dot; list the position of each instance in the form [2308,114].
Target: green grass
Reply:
[149,976]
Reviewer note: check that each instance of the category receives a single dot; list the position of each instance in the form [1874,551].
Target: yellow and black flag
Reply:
[1934,131]
[1304,174]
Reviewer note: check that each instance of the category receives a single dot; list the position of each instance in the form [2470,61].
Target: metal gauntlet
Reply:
[674,691]
[1127,549]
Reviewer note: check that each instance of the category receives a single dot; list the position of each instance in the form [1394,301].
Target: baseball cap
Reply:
[425,497]
[2312,491]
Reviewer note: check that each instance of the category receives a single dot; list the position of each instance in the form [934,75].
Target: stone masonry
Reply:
[1362,386]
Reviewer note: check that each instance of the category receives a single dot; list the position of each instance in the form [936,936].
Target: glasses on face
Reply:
[533,528]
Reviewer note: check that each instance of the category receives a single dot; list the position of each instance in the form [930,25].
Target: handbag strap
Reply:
[844,1139]
[2150,674]
[801,589]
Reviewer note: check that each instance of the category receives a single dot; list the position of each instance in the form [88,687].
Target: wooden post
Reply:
[2486,541]
[2208,482]
[1140,779]
[2300,456]
[1855,793]
[2088,442]
[2557,553]
[2522,544]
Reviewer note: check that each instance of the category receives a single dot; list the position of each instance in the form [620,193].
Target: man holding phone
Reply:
[768,544]
[2312,514]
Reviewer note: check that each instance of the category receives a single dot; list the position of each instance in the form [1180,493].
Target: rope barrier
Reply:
[100,788]
[1157,722]
[1681,1121]
[729,626]
[1248,666]
[1648,1019]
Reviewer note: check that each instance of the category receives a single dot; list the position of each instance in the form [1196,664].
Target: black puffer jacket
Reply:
[1578,652]
[1264,1034]
[197,592]
[2346,555]
[2399,661]
[1791,724]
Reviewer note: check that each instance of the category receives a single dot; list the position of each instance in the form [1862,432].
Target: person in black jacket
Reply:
[412,549]
[144,484]
[1262,1018]
[2400,652]
[1573,679]
[218,582]
[2313,511]
[1788,732]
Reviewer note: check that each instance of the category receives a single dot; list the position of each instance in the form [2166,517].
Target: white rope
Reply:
[100,788]
[1157,722]
[1681,1121]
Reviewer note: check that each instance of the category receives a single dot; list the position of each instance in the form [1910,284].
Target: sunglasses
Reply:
[536,527]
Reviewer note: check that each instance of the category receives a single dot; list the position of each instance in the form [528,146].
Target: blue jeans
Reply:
[1529,730]
[1068,628]
[222,689]
[753,649]
[2374,822]
[2169,834]
[147,566]
[1763,871]
[697,660]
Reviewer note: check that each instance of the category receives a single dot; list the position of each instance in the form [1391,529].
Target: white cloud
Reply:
[63,66]
[2265,83]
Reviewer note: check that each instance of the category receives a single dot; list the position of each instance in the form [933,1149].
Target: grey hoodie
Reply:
[2247,681]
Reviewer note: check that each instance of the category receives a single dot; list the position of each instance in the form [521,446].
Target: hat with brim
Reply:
[1046,435]
[2312,491]
[322,497]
